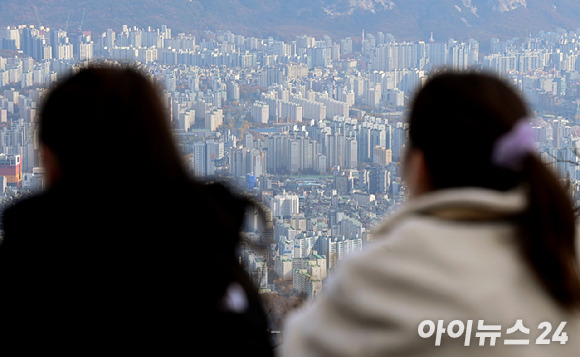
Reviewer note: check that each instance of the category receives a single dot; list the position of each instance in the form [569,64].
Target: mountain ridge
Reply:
[406,20]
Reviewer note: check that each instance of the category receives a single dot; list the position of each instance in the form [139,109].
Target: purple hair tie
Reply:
[512,147]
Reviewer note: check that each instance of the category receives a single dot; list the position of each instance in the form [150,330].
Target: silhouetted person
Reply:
[487,239]
[124,251]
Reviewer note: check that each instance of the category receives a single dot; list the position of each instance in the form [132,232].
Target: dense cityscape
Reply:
[313,128]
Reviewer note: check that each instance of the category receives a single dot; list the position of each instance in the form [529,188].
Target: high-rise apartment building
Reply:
[11,168]
[260,112]
[284,205]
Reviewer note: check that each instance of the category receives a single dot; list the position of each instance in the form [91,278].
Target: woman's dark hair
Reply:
[455,120]
[104,120]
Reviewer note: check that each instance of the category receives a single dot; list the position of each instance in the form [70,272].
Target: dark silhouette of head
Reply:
[455,121]
[104,122]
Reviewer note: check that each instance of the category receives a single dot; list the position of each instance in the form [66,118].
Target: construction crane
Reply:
[37,18]
[66,25]
[82,20]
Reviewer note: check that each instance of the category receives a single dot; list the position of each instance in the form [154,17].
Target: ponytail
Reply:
[548,235]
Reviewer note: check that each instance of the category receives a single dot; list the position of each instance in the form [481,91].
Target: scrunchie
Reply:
[511,148]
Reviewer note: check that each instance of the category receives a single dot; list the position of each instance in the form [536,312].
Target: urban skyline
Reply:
[314,128]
